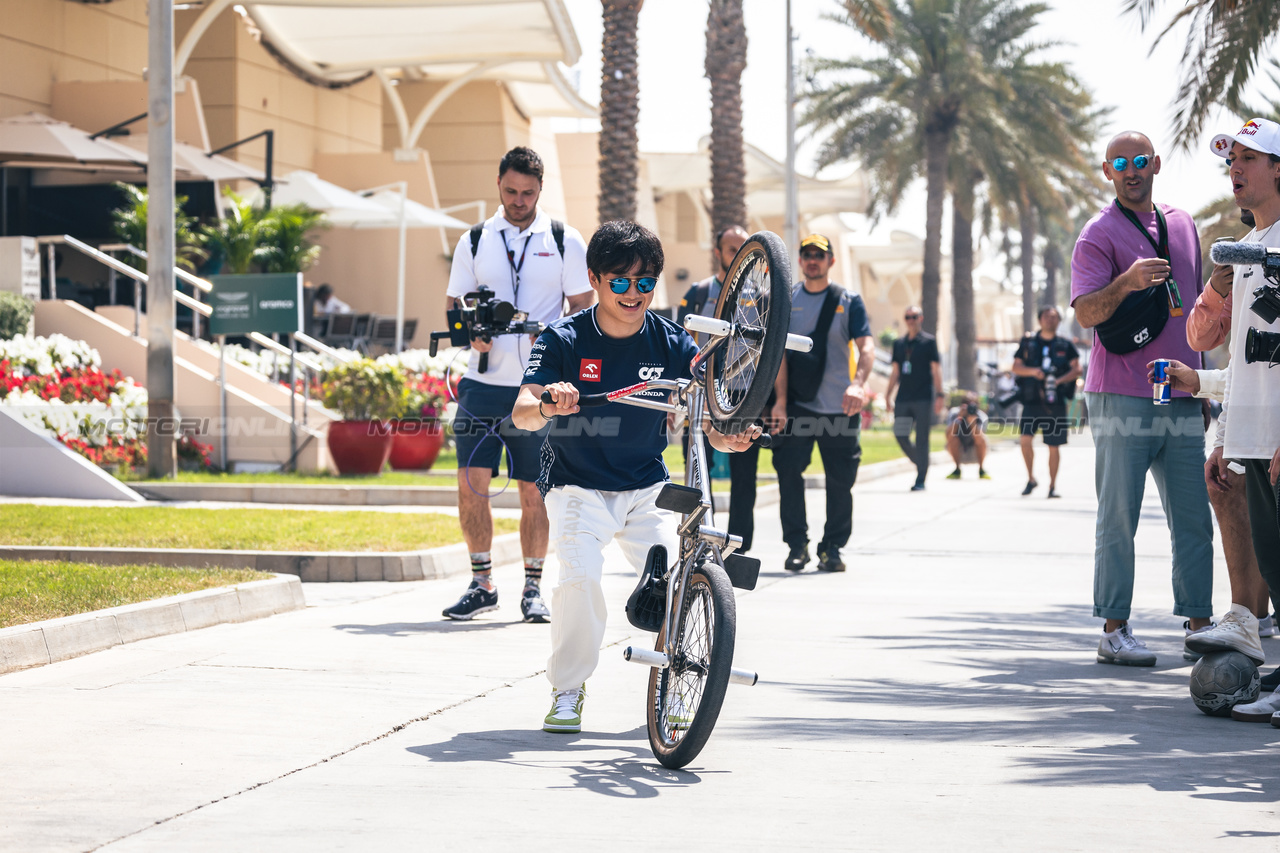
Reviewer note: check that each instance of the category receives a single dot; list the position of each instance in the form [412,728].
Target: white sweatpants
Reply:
[583,522]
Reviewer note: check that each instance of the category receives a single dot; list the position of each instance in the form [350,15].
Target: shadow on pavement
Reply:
[637,775]
[442,626]
[1069,721]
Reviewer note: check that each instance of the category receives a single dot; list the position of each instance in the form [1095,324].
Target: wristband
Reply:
[540,413]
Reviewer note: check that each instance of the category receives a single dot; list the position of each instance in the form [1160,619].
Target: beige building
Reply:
[465,83]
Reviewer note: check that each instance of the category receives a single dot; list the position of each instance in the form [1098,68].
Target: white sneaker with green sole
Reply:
[566,710]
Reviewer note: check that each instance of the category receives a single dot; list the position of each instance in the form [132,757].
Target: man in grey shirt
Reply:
[830,417]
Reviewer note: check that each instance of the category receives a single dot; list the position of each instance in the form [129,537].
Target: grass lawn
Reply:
[229,529]
[34,591]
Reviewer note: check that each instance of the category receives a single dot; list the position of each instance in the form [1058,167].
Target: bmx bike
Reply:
[688,600]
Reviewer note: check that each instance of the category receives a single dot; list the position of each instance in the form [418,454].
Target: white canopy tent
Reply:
[525,44]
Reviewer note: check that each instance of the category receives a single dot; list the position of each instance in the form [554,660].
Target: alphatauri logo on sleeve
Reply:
[590,370]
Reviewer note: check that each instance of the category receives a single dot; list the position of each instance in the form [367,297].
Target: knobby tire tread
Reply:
[767,248]
[677,751]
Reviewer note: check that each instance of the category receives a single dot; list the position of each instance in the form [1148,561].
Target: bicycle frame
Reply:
[699,537]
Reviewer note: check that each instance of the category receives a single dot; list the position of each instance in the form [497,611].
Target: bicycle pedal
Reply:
[743,571]
[681,499]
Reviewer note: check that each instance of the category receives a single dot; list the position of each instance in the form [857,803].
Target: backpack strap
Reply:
[557,234]
[476,231]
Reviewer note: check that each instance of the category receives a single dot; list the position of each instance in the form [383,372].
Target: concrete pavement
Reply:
[942,692]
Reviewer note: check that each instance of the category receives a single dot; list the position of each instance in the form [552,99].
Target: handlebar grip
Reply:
[765,440]
[584,401]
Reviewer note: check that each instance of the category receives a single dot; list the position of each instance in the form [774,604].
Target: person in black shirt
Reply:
[1047,367]
[917,374]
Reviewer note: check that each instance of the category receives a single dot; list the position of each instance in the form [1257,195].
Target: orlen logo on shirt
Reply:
[590,370]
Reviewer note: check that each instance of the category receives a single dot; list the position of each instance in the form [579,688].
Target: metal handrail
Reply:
[183,275]
[322,348]
[280,349]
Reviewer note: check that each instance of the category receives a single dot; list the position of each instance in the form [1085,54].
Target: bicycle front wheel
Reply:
[756,302]
[684,699]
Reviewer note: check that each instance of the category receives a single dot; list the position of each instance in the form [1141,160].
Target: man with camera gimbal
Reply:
[534,264]
[1249,428]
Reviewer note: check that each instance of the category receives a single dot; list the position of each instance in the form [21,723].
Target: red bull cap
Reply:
[1260,134]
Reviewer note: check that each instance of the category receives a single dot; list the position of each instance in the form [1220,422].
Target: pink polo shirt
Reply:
[1107,247]
[1209,320]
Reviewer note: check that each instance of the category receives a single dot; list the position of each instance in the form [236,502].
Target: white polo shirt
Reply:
[539,287]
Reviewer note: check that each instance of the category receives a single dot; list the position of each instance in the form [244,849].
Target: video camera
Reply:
[481,316]
[1259,345]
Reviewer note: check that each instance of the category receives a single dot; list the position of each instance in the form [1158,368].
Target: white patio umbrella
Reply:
[379,207]
[194,164]
[35,137]
[416,215]
[341,207]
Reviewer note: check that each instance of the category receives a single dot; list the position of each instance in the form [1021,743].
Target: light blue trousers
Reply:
[1133,436]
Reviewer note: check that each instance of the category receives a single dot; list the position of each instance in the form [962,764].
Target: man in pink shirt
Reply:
[1135,265]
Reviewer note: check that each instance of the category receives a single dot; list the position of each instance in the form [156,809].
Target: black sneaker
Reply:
[474,601]
[532,607]
[797,559]
[1272,681]
[829,560]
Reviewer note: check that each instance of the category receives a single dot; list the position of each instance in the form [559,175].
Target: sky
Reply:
[1107,52]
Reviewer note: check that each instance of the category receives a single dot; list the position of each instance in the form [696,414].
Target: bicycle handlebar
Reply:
[584,400]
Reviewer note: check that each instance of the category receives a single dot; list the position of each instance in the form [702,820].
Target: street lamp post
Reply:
[161,444]
[792,224]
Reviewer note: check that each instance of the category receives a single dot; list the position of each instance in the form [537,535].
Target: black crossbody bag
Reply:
[1140,318]
[805,369]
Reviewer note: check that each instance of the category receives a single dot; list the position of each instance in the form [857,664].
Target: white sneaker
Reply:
[1258,712]
[1267,626]
[1122,648]
[1237,631]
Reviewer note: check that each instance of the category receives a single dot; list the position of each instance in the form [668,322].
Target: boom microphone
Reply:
[1244,254]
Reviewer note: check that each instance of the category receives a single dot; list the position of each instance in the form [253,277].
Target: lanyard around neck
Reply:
[511,260]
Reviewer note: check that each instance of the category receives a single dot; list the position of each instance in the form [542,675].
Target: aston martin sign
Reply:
[270,303]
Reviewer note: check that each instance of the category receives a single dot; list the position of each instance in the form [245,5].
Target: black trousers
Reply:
[837,440]
[917,413]
[1263,523]
[742,490]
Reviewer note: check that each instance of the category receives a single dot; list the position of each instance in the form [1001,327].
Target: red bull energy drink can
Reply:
[1160,389]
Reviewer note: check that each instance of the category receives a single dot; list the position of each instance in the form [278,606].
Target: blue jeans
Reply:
[1132,436]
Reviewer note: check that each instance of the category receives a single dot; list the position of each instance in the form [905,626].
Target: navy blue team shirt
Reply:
[615,447]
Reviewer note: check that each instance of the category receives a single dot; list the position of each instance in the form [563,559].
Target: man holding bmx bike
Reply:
[602,480]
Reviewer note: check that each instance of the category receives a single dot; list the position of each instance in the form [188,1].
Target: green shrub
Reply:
[365,390]
[15,314]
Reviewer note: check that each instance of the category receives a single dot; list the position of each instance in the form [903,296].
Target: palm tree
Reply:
[284,233]
[619,111]
[1225,40]
[129,223]
[726,58]
[899,113]
[239,239]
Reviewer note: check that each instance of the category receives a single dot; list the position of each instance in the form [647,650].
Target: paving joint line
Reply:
[394,730]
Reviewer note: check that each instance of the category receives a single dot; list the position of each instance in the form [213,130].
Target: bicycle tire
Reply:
[699,676]
[756,301]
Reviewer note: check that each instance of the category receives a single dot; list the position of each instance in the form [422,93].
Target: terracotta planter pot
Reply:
[360,447]
[416,444]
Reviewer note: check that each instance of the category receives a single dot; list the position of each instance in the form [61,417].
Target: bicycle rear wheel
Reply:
[756,301]
[684,699]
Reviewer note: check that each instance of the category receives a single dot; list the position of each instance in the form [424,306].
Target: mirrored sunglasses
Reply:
[1140,162]
[622,284]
